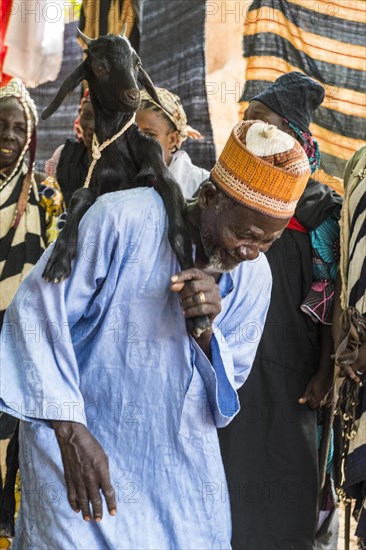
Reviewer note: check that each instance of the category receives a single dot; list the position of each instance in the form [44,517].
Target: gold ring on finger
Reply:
[201,296]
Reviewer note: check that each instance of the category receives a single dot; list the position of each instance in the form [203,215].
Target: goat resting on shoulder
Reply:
[112,69]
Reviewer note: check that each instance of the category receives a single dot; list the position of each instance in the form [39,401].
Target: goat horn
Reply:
[124,29]
[84,38]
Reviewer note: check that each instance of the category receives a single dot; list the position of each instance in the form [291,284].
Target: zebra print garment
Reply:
[20,248]
[353,273]
[353,234]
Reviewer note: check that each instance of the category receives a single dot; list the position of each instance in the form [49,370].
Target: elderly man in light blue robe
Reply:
[101,365]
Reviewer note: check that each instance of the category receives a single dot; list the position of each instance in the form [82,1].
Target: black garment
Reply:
[270,449]
[72,168]
[316,204]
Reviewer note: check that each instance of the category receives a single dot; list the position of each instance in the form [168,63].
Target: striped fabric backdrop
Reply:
[173,52]
[325,40]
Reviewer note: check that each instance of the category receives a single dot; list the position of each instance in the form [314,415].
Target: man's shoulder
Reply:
[257,273]
[128,206]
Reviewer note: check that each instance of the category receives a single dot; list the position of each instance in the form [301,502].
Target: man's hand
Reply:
[320,384]
[86,470]
[317,389]
[357,370]
[198,293]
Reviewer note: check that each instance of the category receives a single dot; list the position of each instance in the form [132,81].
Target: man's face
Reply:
[236,234]
[13,131]
[258,111]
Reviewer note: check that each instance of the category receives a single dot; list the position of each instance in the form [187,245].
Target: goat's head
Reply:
[113,71]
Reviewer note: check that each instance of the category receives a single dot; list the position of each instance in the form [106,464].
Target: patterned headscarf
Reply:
[176,115]
[309,144]
[15,88]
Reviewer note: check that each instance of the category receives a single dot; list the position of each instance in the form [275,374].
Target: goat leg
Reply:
[182,246]
[58,267]
[180,242]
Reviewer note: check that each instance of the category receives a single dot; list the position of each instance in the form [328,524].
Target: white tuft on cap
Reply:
[264,140]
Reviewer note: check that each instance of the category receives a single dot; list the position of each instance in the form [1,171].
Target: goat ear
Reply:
[147,83]
[69,84]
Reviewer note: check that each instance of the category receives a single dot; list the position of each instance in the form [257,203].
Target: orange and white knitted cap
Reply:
[262,168]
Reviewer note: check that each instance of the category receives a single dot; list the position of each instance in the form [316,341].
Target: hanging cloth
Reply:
[109,16]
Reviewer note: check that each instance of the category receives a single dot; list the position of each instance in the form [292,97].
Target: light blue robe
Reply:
[109,348]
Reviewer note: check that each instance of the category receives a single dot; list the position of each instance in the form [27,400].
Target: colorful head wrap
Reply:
[309,144]
[15,88]
[176,113]
[262,168]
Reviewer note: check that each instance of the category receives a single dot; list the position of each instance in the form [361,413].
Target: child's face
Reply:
[86,121]
[154,124]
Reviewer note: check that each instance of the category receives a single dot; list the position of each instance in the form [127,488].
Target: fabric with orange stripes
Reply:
[326,41]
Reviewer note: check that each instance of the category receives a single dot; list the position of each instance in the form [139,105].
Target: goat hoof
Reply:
[198,325]
[58,267]
[57,270]
[49,277]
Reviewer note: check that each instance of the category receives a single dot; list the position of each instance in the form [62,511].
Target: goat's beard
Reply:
[219,259]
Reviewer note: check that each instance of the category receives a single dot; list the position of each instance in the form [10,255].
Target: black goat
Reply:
[112,69]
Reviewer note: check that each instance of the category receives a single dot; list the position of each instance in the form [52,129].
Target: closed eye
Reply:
[246,235]
[149,133]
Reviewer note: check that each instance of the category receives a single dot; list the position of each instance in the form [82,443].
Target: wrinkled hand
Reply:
[86,470]
[316,390]
[198,293]
[359,366]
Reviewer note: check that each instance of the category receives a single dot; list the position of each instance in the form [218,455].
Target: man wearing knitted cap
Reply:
[120,403]
[271,453]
